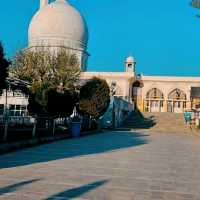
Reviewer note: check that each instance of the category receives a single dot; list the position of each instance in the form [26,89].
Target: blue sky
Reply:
[164,36]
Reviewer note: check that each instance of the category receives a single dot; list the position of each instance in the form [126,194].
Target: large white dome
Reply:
[58,24]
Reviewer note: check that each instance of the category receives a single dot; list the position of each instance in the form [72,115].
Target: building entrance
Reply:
[155,106]
[137,94]
[154,100]
[176,101]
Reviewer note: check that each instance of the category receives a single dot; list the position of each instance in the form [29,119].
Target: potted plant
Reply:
[76,126]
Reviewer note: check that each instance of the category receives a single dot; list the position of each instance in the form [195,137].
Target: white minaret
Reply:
[130,64]
[43,3]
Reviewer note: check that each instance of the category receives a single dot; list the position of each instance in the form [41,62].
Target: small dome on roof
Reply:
[130,59]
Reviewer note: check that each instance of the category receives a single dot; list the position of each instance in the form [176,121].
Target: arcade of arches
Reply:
[161,99]
[155,101]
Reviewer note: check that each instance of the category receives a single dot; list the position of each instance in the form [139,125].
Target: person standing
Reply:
[187,117]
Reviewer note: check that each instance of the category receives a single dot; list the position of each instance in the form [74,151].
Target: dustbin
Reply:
[75,129]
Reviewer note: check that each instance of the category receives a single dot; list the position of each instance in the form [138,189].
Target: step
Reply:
[160,122]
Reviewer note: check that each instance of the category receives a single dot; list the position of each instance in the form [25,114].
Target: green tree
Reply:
[56,103]
[4,64]
[45,70]
[60,103]
[196,4]
[41,65]
[94,97]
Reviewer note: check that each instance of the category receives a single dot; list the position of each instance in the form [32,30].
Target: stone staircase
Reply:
[157,122]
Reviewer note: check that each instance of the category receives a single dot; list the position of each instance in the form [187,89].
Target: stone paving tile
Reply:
[108,166]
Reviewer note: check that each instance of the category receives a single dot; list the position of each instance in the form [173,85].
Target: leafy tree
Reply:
[34,107]
[4,64]
[60,103]
[51,75]
[196,4]
[41,65]
[94,97]
[55,103]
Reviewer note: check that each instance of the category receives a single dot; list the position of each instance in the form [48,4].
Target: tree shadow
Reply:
[16,186]
[92,144]
[138,121]
[78,191]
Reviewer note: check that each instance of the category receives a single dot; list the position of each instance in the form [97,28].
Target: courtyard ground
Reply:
[121,165]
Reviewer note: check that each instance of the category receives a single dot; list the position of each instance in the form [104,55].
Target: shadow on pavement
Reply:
[77,192]
[93,144]
[16,186]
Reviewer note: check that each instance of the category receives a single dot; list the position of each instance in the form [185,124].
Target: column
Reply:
[159,104]
[188,105]
[165,106]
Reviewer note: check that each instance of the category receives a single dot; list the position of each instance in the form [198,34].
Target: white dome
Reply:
[58,24]
[130,59]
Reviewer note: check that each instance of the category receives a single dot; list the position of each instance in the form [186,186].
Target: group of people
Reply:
[192,118]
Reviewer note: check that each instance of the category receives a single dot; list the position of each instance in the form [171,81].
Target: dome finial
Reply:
[43,3]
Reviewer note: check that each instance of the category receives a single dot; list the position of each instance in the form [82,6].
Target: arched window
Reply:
[137,84]
[136,88]
[154,93]
[177,94]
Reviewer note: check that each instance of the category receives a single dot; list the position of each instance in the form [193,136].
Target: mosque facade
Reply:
[152,93]
[59,24]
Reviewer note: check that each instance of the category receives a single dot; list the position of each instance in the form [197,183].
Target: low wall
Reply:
[117,112]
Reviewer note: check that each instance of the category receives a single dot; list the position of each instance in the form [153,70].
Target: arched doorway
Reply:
[137,94]
[154,100]
[176,101]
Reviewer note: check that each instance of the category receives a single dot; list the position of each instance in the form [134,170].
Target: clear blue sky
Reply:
[164,36]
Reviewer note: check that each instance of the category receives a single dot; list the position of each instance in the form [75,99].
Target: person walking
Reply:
[188,117]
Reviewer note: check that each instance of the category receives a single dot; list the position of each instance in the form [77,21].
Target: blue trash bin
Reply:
[76,129]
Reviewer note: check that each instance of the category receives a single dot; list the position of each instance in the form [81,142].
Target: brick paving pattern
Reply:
[108,166]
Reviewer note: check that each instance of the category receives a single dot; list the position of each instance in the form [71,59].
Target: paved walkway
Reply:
[107,166]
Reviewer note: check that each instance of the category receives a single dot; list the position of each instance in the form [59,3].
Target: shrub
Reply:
[55,104]
[60,104]
[94,97]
